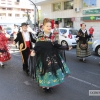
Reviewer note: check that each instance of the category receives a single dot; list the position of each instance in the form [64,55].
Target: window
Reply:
[16,3]
[9,8]
[9,3]
[73,32]
[29,10]
[3,1]
[9,14]
[32,10]
[56,6]
[17,9]
[24,15]
[68,5]
[87,3]
[68,22]
[3,8]
[17,15]
[2,14]
[63,31]
[23,9]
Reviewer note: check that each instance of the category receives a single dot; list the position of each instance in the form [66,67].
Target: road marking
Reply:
[16,54]
[95,57]
[27,83]
[80,80]
[92,73]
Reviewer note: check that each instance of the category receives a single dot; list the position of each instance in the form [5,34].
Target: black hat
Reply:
[24,24]
[56,22]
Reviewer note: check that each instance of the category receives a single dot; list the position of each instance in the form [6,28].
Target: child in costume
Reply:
[4,53]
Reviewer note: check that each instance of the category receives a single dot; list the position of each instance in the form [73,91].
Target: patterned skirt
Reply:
[51,69]
[5,56]
[49,79]
[82,53]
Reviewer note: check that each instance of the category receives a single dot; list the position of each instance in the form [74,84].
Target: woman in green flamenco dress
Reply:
[50,68]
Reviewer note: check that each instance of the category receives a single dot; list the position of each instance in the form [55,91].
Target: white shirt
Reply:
[26,36]
[84,31]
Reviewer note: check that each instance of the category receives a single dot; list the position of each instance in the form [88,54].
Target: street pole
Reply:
[34,15]
[35,10]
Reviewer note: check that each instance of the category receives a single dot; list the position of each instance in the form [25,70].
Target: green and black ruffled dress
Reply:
[50,68]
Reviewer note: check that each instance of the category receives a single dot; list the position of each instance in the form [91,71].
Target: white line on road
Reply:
[92,73]
[16,54]
[88,83]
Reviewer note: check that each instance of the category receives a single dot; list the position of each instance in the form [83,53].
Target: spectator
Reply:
[40,29]
[15,31]
[91,30]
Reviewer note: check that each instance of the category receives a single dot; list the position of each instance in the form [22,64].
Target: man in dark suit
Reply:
[25,40]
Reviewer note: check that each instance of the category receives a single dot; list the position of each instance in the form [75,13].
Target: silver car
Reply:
[96,47]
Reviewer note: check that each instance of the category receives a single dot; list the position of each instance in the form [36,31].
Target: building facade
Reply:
[15,11]
[71,13]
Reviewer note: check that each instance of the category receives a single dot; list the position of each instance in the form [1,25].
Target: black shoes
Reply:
[27,72]
[2,66]
[50,90]
[83,60]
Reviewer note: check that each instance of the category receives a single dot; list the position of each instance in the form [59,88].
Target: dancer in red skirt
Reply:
[4,54]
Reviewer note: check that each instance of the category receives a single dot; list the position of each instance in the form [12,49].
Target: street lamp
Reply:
[35,12]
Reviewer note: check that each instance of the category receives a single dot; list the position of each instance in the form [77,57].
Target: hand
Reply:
[70,47]
[77,38]
[0,53]
[32,53]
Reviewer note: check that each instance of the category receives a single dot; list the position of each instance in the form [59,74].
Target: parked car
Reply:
[8,30]
[67,36]
[96,47]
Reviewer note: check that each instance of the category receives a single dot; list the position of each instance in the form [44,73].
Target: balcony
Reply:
[39,2]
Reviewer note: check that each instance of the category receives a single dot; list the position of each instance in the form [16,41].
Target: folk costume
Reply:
[4,52]
[50,68]
[25,40]
[82,49]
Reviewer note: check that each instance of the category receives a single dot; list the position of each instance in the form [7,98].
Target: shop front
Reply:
[91,19]
[68,22]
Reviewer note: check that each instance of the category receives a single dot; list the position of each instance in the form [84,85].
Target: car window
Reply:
[73,32]
[8,28]
[63,31]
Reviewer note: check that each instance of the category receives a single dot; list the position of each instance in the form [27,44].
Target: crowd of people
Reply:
[49,63]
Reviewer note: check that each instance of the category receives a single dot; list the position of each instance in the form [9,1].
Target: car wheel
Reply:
[64,43]
[98,50]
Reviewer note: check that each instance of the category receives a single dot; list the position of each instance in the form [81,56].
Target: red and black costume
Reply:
[25,40]
[4,52]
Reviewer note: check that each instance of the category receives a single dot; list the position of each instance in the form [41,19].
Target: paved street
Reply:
[15,85]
